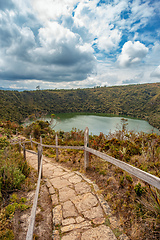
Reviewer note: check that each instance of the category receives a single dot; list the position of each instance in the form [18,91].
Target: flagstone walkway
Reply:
[79,211]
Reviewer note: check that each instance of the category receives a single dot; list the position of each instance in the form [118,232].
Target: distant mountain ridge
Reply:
[140,101]
[11,89]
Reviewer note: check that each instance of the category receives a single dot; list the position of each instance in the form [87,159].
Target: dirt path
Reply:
[79,210]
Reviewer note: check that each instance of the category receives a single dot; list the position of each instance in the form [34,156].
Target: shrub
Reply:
[139,190]
[3,142]
[13,170]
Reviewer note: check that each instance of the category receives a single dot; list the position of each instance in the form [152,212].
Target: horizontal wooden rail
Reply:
[33,212]
[147,177]
[71,147]
[30,151]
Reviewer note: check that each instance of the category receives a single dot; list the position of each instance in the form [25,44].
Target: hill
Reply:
[139,101]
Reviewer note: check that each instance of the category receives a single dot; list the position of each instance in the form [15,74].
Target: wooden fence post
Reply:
[39,157]
[86,144]
[41,143]
[24,151]
[20,146]
[56,148]
[31,141]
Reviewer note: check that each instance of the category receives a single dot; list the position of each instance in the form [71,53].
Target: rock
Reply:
[54,199]
[83,225]
[98,233]
[56,235]
[85,202]
[75,179]
[95,212]
[98,221]
[57,215]
[72,236]
[66,193]
[59,183]
[79,219]
[69,210]
[82,188]
[51,190]
[68,221]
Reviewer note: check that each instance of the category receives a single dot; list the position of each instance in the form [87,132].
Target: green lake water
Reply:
[97,124]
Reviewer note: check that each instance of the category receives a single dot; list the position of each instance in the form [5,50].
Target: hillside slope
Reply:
[140,101]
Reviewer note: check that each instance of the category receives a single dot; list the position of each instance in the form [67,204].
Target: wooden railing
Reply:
[146,177]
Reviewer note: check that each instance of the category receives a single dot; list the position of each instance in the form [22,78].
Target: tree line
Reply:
[140,101]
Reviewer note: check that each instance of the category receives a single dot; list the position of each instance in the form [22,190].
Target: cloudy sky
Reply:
[78,44]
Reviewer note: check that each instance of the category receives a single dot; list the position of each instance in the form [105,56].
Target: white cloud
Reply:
[100,22]
[52,9]
[109,41]
[132,53]
[156,72]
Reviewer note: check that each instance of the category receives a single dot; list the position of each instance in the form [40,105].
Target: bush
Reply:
[139,190]
[13,170]
[3,142]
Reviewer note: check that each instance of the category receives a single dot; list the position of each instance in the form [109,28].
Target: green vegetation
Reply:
[139,101]
[13,171]
[6,215]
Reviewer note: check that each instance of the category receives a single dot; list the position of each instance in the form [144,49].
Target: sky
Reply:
[78,44]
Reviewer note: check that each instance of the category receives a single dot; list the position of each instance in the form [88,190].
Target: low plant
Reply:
[152,201]
[7,213]
[13,170]
[139,189]
[129,178]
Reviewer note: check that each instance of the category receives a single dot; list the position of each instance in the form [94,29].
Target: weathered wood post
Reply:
[41,154]
[31,141]
[86,144]
[41,142]
[24,151]
[56,148]
[20,146]
[39,157]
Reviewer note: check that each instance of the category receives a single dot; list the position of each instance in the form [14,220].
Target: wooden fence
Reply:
[146,177]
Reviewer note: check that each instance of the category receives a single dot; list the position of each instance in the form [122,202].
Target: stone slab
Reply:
[68,175]
[72,236]
[68,221]
[85,202]
[98,233]
[75,179]
[57,215]
[59,183]
[51,190]
[82,187]
[54,199]
[69,209]
[83,225]
[79,219]
[95,212]
[66,193]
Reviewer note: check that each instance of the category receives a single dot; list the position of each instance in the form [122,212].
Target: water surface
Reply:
[97,124]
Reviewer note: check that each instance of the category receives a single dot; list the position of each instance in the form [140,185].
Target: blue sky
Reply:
[78,44]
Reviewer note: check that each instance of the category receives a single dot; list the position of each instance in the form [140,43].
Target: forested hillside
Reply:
[141,101]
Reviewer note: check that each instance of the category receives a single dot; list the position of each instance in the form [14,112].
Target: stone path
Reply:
[79,212]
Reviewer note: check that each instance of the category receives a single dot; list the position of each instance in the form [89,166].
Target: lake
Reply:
[97,124]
